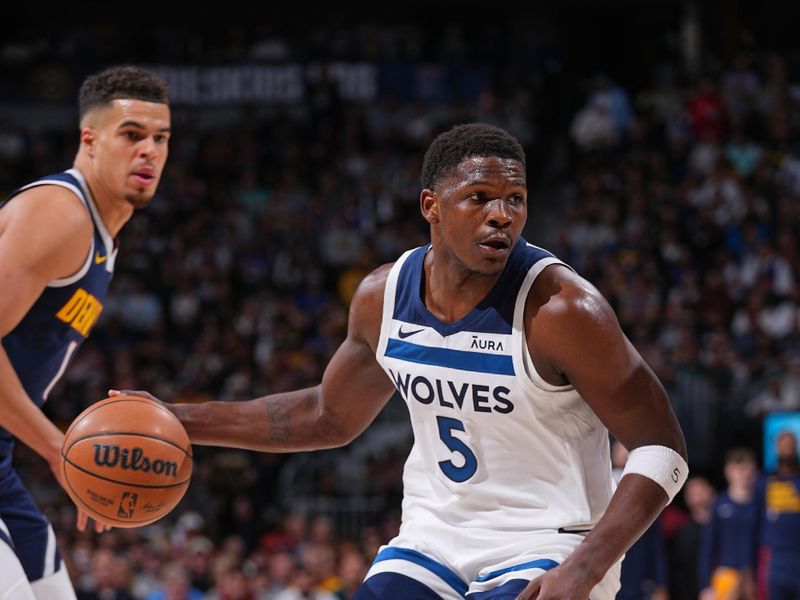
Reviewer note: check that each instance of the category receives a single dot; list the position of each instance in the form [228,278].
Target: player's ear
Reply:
[88,138]
[429,205]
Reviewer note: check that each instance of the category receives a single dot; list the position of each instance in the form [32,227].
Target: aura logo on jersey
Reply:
[450,394]
[110,455]
[81,311]
[481,344]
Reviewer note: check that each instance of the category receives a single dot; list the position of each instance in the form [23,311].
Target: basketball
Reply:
[127,461]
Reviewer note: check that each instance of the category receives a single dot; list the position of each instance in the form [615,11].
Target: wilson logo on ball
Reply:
[107,455]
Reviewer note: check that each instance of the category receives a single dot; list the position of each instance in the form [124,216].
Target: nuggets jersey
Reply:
[43,342]
[503,463]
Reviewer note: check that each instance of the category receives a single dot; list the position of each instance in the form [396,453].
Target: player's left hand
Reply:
[83,518]
[560,583]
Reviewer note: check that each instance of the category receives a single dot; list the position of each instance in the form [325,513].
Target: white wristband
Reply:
[661,464]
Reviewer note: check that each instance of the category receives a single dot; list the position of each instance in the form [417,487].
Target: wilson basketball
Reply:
[127,461]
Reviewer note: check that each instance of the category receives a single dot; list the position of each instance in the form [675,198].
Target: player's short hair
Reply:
[117,83]
[462,141]
[740,455]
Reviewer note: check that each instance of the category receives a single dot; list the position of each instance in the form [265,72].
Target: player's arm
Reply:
[574,337]
[353,391]
[45,234]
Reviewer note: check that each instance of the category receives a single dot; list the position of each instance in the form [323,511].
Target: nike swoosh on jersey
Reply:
[404,334]
[99,259]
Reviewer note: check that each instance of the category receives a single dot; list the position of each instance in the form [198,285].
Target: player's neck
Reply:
[451,290]
[114,210]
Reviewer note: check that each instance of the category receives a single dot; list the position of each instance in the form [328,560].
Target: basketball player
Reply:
[514,370]
[57,252]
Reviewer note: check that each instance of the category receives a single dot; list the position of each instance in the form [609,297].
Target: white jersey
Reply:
[504,464]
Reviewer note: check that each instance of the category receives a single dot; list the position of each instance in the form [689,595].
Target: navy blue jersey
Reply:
[42,343]
[728,537]
[779,513]
[779,500]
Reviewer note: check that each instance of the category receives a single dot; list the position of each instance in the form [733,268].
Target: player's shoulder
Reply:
[371,289]
[559,292]
[48,205]
[47,230]
[366,308]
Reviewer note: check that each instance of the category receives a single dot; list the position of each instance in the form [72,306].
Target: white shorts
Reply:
[458,575]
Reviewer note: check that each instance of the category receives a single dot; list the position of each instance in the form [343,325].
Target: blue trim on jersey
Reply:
[542,563]
[62,177]
[453,359]
[510,589]
[418,558]
[493,314]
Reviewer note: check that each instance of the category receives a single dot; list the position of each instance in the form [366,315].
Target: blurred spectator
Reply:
[740,86]
[593,127]
[175,584]
[777,395]
[683,548]
[725,566]
[231,584]
[110,578]
[778,498]
[302,586]
[198,559]
[610,94]
[707,112]
[742,153]
[352,571]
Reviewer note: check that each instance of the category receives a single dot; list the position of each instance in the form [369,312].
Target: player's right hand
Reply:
[560,583]
[140,393]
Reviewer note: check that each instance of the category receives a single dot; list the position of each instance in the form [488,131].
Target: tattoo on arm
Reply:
[289,416]
[280,420]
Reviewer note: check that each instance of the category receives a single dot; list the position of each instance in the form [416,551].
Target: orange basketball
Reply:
[127,461]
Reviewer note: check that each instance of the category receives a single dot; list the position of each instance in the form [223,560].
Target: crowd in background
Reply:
[679,201]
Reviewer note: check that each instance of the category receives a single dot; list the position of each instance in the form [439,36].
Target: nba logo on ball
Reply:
[127,505]
[127,461]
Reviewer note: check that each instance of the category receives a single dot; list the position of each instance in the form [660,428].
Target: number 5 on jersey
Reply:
[455,445]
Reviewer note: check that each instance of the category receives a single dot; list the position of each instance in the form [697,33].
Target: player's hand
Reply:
[83,518]
[140,393]
[558,584]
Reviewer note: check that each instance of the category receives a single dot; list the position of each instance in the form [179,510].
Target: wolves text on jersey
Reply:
[451,394]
